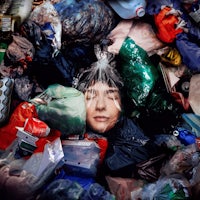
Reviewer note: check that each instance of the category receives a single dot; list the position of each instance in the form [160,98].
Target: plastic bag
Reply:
[62,108]
[22,178]
[8,132]
[123,187]
[80,24]
[182,161]
[167,188]
[150,170]
[44,14]
[167,25]
[138,72]
[81,157]
[42,164]
[63,189]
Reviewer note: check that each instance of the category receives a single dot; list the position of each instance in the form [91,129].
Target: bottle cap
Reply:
[140,11]
[176,133]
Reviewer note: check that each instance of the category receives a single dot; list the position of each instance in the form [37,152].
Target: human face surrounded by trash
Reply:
[102,86]
[103,106]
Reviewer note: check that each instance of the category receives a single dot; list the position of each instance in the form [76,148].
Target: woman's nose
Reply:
[100,103]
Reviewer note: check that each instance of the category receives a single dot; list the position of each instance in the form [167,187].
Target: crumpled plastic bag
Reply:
[167,188]
[86,21]
[138,72]
[62,108]
[46,13]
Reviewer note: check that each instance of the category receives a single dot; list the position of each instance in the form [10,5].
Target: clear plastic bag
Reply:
[81,157]
[167,188]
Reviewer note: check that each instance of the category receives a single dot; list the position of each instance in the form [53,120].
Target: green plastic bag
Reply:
[62,108]
[138,73]
[143,80]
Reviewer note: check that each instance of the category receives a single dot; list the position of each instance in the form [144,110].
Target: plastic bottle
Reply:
[128,9]
[185,136]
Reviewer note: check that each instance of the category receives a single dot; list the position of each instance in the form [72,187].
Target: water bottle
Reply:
[128,9]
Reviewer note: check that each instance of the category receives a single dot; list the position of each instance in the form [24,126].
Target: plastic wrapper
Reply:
[8,132]
[103,70]
[81,157]
[42,164]
[22,178]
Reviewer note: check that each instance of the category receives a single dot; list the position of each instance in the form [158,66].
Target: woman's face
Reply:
[103,107]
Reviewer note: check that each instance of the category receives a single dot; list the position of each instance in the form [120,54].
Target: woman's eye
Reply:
[90,96]
[113,95]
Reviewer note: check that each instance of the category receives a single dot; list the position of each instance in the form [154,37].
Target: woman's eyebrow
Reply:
[90,90]
[112,90]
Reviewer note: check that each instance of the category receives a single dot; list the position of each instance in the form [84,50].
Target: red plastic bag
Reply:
[36,127]
[166,25]
[8,132]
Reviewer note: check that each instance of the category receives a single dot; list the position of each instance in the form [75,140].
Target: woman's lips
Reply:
[101,118]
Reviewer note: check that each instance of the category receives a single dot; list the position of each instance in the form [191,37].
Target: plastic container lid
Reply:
[140,11]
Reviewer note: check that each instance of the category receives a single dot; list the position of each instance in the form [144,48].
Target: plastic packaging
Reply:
[81,157]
